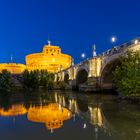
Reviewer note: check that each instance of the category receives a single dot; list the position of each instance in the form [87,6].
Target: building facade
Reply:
[50,59]
[13,68]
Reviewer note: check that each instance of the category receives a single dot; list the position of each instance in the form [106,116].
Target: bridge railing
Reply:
[118,49]
[77,65]
[112,51]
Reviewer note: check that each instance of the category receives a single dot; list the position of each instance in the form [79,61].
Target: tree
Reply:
[44,78]
[51,81]
[36,79]
[5,81]
[127,74]
[31,79]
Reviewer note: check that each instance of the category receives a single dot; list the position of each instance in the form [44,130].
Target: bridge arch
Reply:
[66,78]
[106,79]
[81,76]
[82,103]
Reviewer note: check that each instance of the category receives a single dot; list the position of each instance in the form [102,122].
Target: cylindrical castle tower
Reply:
[50,59]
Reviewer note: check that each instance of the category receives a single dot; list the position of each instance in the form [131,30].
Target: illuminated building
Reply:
[13,68]
[50,59]
[15,110]
[52,115]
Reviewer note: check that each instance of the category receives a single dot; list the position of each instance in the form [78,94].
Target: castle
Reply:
[50,59]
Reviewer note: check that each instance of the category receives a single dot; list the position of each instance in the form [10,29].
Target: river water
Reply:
[67,116]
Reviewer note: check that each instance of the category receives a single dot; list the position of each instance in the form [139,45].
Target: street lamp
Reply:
[83,55]
[113,39]
[136,41]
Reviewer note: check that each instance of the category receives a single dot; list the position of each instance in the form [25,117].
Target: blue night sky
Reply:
[74,25]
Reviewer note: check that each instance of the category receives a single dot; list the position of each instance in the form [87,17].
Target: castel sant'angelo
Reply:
[50,59]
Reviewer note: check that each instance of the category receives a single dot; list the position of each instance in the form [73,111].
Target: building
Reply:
[50,59]
[13,68]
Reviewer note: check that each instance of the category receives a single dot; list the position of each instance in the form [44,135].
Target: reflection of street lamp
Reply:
[96,131]
[85,125]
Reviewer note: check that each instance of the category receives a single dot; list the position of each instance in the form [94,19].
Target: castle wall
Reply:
[13,68]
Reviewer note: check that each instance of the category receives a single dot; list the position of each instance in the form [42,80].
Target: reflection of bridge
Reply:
[96,72]
[90,112]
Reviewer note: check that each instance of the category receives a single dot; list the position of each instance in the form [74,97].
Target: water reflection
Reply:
[52,115]
[14,110]
[98,114]
[93,113]
[54,110]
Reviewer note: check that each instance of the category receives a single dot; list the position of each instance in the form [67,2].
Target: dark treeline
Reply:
[5,81]
[28,80]
[36,79]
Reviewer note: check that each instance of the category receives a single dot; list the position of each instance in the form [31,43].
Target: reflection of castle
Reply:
[15,110]
[52,115]
[50,59]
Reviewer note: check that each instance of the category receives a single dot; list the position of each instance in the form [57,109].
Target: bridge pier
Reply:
[91,85]
[72,83]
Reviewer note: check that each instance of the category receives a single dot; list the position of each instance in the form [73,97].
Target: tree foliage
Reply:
[5,81]
[127,74]
[36,79]
[62,85]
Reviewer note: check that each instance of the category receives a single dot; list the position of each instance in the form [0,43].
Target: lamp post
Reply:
[136,42]
[83,55]
[113,39]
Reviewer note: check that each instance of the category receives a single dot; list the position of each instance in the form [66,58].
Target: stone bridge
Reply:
[96,72]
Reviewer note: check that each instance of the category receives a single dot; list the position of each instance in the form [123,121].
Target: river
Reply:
[67,116]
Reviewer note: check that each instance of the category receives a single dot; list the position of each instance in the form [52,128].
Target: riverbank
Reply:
[130,99]
[120,98]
